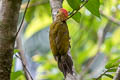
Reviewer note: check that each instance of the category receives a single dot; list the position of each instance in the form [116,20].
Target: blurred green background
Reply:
[90,35]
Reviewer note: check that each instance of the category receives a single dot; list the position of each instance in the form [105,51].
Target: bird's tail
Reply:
[65,64]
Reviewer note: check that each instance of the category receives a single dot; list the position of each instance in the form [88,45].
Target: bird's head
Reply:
[62,14]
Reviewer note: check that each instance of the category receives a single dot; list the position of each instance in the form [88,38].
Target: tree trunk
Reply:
[9,12]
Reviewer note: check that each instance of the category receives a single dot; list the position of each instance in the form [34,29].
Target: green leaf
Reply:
[93,78]
[77,16]
[15,75]
[93,6]
[112,63]
[29,14]
[74,4]
[108,75]
[16,51]
[112,70]
[96,79]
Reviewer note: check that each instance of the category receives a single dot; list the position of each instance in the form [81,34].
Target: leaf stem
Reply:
[73,13]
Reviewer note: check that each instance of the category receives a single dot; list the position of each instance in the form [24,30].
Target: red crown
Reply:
[64,11]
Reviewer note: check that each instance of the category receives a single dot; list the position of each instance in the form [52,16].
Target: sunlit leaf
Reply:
[15,75]
[16,50]
[77,16]
[108,75]
[112,63]
[93,6]
[112,70]
[96,79]
[116,36]
[74,3]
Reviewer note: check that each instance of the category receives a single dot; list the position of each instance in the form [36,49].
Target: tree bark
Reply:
[9,12]
[55,5]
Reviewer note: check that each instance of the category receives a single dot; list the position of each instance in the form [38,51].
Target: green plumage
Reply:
[60,44]
[59,38]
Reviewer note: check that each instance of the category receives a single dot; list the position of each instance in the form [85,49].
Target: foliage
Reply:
[17,75]
[113,63]
[84,29]
[74,4]
[93,6]
[77,16]
[16,50]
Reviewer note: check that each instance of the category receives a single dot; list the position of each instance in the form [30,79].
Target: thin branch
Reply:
[73,13]
[110,18]
[24,66]
[117,76]
[22,58]
[102,74]
[22,20]
[101,38]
